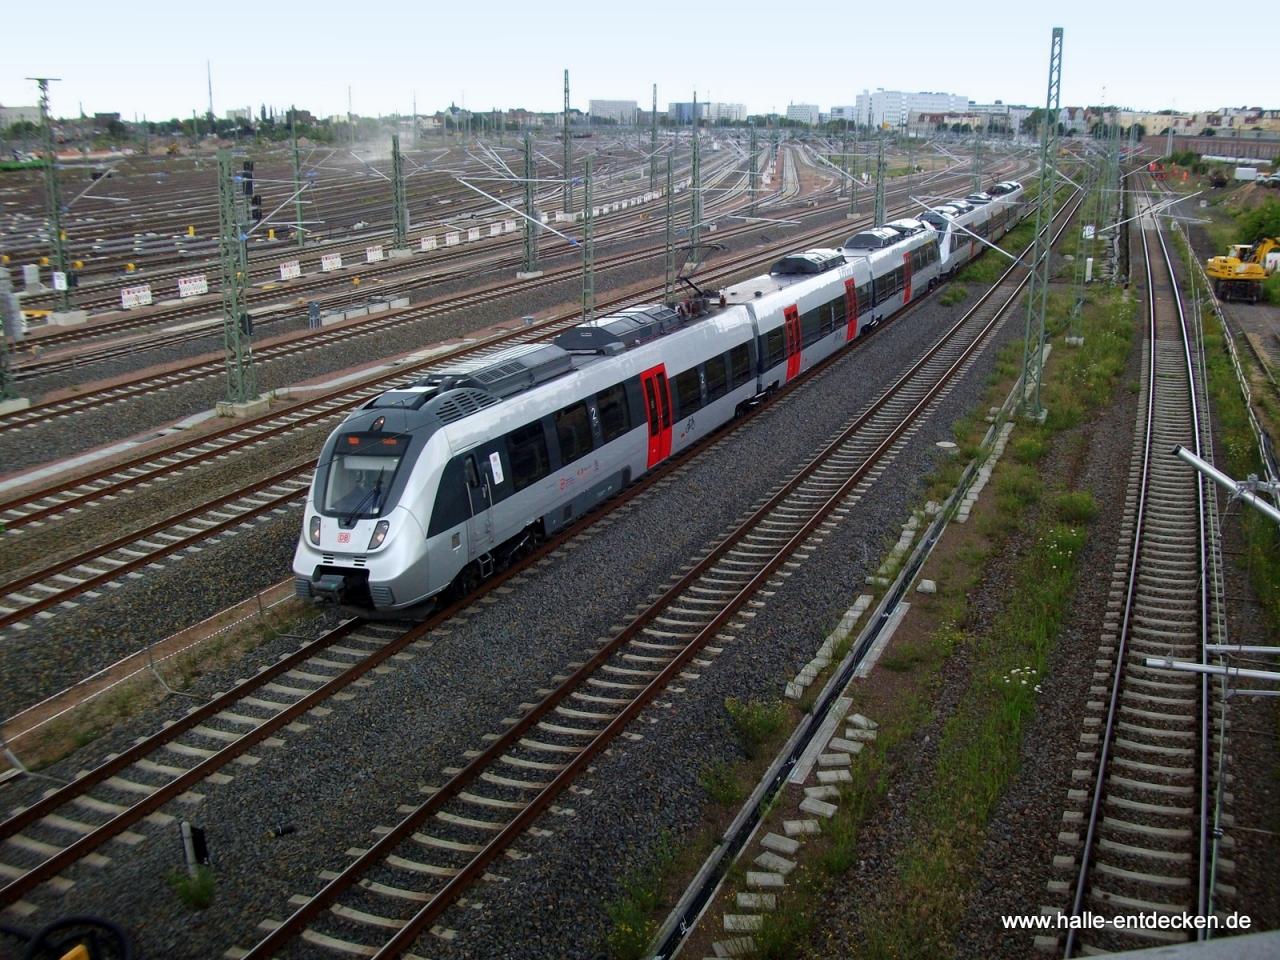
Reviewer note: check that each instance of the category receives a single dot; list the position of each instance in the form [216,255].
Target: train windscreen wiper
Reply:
[371,495]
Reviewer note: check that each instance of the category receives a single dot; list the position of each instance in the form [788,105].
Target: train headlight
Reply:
[379,534]
[313,530]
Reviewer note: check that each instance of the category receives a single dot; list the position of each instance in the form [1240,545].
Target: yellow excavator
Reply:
[1240,274]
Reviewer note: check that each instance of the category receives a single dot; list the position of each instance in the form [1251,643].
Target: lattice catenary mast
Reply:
[1038,284]
[568,151]
[238,354]
[53,200]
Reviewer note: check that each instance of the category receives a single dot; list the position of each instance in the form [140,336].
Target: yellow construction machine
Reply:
[1240,274]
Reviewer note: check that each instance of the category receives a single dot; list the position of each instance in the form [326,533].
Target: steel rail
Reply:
[1123,635]
[237,694]
[553,325]
[37,369]
[296,923]
[119,570]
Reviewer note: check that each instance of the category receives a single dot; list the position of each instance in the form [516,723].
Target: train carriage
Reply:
[430,488]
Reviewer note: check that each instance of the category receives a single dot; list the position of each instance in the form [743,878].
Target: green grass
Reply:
[195,892]
[1028,449]
[952,295]
[721,784]
[632,913]
[978,752]
[1075,507]
[755,722]
[981,742]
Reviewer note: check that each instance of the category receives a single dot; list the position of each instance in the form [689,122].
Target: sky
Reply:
[148,58]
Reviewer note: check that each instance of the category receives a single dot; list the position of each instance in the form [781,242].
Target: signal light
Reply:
[246,325]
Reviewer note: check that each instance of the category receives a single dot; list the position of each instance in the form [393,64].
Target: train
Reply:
[430,488]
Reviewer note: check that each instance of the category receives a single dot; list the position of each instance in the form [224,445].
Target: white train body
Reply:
[963,225]
[441,483]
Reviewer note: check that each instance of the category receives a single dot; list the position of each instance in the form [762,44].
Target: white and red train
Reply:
[436,485]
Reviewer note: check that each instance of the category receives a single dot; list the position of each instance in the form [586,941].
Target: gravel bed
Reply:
[1018,849]
[1022,839]
[38,547]
[52,440]
[55,653]
[349,773]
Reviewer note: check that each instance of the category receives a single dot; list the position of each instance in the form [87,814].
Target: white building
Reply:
[1000,116]
[240,113]
[729,112]
[891,107]
[804,112]
[12,115]
[623,111]
[849,113]
[709,112]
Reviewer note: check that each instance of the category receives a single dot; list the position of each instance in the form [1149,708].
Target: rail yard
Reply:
[780,543]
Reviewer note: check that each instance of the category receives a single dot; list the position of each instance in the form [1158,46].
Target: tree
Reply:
[1261,221]
[1207,132]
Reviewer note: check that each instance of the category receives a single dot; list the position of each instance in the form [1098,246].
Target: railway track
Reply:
[1143,839]
[598,700]
[265,267]
[43,591]
[398,889]
[195,371]
[494,257]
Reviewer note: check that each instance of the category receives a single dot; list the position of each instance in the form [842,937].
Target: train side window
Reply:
[717,378]
[688,391]
[811,325]
[573,430]
[652,400]
[452,505]
[775,347]
[864,298]
[615,417]
[527,451]
[740,365]
[839,313]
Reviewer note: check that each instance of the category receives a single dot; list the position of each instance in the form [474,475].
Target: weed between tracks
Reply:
[93,718]
[194,890]
[981,741]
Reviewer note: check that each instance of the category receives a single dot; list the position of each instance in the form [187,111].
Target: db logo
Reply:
[344,538]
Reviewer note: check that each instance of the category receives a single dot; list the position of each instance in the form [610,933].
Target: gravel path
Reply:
[348,774]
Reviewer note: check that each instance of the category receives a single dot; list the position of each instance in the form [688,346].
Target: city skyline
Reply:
[153,63]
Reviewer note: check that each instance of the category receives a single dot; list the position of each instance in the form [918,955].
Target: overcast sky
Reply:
[148,58]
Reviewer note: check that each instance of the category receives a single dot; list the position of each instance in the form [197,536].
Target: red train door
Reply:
[657,402]
[906,273]
[794,342]
[851,308]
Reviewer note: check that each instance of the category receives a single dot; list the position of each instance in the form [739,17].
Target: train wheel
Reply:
[465,583]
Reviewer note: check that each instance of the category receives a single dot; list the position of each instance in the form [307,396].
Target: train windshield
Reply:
[360,473]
